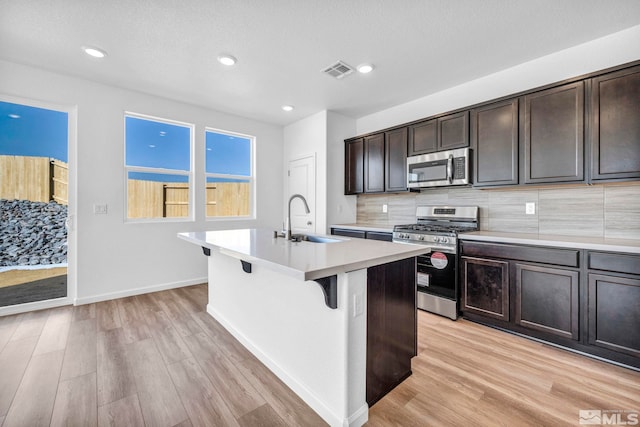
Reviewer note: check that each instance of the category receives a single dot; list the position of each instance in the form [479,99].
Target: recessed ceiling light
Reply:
[94,52]
[365,68]
[226,59]
[14,116]
[163,133]
[287,107]
[151,146]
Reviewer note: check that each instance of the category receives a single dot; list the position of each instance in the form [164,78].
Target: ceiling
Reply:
[419,47]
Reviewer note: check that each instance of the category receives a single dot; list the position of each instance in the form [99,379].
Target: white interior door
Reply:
[302,180]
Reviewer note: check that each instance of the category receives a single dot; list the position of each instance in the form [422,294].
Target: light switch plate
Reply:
[358,305]
[530,208]
[384,208]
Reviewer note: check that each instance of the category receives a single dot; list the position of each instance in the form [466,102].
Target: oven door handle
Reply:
[450,168]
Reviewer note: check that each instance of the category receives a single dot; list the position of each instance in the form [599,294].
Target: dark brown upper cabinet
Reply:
[494,140]
[443,133]
[554,135]
[374,176]
[376,163]
[615,125]
[423,137]
[395,148]
[354,166]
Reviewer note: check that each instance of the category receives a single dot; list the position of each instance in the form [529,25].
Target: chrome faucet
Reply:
[306,208]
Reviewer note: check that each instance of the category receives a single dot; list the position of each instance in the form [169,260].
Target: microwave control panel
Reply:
[459,168]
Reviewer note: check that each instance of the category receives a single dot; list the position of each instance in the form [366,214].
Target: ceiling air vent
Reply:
[338,70]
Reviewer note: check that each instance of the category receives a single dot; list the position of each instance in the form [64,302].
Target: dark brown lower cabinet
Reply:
[361,234]
[486,287]
[348,233]
[583,300]
[614,313]
[391,326]
[547,299]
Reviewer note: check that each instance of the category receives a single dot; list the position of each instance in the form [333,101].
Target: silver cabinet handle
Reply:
[309,223]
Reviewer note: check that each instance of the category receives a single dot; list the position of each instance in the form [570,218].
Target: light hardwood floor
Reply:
[160,360]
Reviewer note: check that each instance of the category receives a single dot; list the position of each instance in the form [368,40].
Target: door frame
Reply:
[72,189]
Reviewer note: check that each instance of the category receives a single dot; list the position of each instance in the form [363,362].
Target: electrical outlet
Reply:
[384,208]
[530,208]
[100,209]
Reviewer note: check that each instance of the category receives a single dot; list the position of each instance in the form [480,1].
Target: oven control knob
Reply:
[421,238]
[435,238]
[444,240]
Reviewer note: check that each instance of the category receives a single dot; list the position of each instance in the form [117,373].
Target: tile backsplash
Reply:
[604,210]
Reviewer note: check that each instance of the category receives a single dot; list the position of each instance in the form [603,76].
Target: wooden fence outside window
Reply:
[41,179]
[38,179]
[150,199]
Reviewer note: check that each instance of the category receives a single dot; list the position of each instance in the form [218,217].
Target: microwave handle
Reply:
[450,168]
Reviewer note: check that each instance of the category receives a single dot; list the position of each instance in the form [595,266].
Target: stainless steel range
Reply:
[437,272]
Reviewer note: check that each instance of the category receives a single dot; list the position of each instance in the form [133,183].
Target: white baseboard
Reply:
[356,419]
[138,291]
[359,417]
[34,306]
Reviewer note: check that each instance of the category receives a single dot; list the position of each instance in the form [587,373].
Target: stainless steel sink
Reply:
[315,239]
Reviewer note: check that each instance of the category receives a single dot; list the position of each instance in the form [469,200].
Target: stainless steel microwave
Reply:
[439,169]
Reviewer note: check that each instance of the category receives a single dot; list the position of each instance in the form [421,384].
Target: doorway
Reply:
[302,180]
[36,205]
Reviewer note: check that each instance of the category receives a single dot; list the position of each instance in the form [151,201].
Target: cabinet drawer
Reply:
[545,255]
[620,263]
[348,233]
[378,235]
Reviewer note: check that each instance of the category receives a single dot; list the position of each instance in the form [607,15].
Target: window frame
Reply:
[251,178]
[190,217]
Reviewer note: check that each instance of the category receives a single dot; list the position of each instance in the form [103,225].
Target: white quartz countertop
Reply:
[381,228]
[303,260]
[575,242]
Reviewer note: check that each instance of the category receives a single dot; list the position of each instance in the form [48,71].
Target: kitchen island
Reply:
[301,309]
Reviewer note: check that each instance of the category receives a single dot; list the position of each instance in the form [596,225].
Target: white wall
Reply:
[609,51]
[323,134]
[115,258]
[302,138]
[341,209]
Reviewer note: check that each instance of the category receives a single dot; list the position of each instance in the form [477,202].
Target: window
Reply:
[229,174]
[158,168]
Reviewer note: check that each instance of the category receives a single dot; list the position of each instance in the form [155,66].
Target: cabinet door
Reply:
[453,131]
[547,300]
[615,125]
[494,138]
[554,135]
[391,326]
[374,163]
[614,313]
[485,288]
[354,167]
[423,137]
[396,160]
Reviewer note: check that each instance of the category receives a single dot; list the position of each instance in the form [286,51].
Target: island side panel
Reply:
[319,352]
